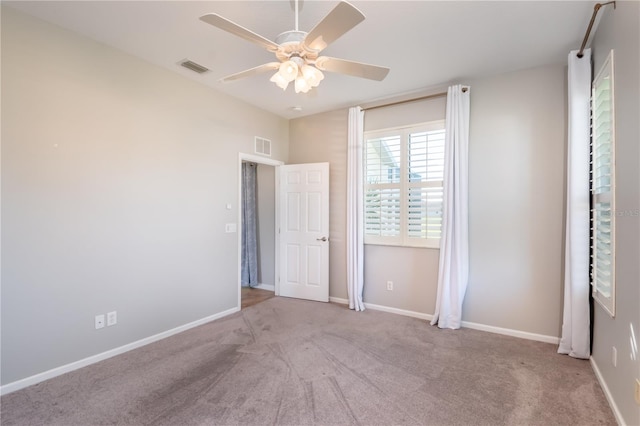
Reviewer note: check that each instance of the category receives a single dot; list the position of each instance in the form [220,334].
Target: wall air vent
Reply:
[194,67]
[263,146]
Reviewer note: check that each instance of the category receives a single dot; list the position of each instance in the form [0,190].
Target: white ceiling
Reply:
[425,43]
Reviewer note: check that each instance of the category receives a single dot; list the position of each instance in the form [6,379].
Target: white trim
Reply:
[54,372]
[382,308]
[397,311]
[612,403]
[259,159]
[269,287]
[511,332]
[466,324]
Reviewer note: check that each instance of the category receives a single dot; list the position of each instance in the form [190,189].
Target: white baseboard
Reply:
[54,372]
[397,311]
[269,287]
[385,309]
[607,392]
[511,332]
[467,324]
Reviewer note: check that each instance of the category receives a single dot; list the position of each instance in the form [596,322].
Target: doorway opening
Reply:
[257,269]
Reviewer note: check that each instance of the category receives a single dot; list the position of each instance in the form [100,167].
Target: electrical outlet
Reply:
[112,318]
[614,356]
[390,285]
[99,321]
[638,391]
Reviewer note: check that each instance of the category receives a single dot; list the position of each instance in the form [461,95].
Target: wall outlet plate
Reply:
[99,321]
[112,318]
[390,285]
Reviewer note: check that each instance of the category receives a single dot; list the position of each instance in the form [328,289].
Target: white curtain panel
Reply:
[453,271]
[355,210]
[575,339]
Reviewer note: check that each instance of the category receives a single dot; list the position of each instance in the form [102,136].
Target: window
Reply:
[602,188]
[403,171]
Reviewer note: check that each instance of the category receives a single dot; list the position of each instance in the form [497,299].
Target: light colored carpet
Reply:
[287,361]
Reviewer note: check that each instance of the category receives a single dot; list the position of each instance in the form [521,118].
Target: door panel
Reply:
[293,212]
[304,231]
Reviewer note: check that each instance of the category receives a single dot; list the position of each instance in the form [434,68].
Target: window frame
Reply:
[403,239]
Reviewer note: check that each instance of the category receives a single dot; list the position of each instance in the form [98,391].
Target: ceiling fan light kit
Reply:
[313,75]
[306,76]
[280,81]
[298,51]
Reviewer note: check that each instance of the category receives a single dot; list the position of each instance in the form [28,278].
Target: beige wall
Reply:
[115,180]
[406,114]
[516,171]
[266,199]
[619,29]
[516,200]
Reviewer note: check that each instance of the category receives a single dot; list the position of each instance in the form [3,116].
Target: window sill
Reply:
[431,247]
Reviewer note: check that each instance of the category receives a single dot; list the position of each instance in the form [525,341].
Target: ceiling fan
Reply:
[298,51]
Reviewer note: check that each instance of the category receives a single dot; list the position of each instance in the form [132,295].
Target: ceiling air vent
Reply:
[263,146]
[194,67]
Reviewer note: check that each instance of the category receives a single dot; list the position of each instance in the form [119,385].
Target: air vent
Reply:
[263,146]
[194,67]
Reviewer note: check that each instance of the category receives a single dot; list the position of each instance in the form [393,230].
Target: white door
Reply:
[304,231]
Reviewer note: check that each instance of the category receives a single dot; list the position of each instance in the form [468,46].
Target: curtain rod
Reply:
[421,98]
[596,8]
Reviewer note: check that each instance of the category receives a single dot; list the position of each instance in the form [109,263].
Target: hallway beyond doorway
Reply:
[253,296]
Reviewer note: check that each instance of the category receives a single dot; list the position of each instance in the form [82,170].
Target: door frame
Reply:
[267,162]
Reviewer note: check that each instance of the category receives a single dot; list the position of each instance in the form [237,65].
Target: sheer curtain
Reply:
[249,261]
[355,211]
[453,271]
[575,339]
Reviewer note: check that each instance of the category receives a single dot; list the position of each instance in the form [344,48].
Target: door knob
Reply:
[322,239]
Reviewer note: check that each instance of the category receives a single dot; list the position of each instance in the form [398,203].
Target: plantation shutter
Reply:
[602,187]
[425,175]
[403,193]
[382,187]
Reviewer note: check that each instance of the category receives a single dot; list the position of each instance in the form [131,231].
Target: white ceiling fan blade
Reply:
[341,19]
[235,29]
[253,71]
[356,69]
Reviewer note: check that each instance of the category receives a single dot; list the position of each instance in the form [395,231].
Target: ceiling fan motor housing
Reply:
[292,45]
[290,37]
